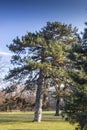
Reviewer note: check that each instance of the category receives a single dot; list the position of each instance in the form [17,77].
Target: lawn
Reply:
[23,121]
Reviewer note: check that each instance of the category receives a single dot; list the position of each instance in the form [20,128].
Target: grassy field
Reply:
[23,121]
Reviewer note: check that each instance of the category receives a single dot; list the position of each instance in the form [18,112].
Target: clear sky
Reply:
[17,17]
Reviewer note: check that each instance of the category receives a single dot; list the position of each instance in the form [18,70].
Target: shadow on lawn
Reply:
[6,118]
[9,121]
[26,129]
[20,129]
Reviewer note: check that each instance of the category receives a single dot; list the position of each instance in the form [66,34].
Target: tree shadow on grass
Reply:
[27,129]
[20,129]
[52,118]
[9,121]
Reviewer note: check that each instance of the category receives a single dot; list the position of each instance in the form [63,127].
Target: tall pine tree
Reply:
[40,56]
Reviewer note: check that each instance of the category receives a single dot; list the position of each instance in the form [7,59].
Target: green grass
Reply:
[23,121]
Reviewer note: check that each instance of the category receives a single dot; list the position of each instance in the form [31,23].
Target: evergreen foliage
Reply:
[40,56]
[76,102]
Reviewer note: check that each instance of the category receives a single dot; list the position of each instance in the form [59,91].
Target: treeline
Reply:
[24,100]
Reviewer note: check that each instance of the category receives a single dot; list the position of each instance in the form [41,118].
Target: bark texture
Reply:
[38,105]
[57,107]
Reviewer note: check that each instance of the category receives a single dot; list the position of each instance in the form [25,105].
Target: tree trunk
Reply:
[57,107]
[38,103]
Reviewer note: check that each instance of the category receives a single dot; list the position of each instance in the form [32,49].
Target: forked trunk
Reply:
[38,103]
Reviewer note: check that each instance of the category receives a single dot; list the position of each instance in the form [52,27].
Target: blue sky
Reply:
[17,17]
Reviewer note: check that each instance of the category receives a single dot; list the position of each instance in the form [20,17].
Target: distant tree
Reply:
[40,56]
[62,86]
[2,98]
[18,98]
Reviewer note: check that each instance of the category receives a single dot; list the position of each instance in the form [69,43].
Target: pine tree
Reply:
[40,56]
[76,102]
